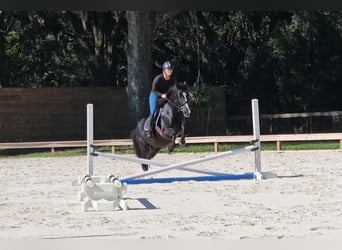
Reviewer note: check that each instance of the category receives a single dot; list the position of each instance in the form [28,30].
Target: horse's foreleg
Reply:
[171,146]
[182,140]
[169,132]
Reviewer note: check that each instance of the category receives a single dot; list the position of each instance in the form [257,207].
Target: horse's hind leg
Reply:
[152,153]
[145,152]
[149,154]
[144,167]
[139,148]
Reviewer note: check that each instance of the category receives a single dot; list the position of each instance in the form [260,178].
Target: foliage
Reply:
[290,60]
[201,95]
[52,49]
[40,54]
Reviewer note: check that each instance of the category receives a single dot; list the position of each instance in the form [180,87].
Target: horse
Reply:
[169,123]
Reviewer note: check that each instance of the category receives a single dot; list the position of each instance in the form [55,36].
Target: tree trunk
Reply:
[139,60]
[4,75]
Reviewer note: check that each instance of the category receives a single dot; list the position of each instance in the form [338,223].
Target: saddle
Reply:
[157,118]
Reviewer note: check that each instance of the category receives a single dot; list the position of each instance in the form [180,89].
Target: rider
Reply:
[161,84]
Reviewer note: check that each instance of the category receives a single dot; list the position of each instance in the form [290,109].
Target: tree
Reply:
[4,76]
[289,60]
[306,54]
[104,35]
[62,48]
[140,38]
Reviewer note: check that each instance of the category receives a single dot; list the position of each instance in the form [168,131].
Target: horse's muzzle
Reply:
[186,111]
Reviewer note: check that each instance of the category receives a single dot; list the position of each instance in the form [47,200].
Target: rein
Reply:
[175,105]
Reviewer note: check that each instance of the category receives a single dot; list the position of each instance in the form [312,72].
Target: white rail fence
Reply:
[215,140]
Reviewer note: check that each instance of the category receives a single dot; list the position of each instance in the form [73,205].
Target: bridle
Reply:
[178,107]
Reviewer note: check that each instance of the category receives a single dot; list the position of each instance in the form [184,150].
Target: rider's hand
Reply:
[163,96]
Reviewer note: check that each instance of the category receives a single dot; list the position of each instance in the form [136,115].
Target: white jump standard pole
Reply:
[90,138]
[256,137]
[102,193]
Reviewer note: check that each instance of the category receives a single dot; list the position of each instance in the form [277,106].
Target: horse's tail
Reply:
[135,142]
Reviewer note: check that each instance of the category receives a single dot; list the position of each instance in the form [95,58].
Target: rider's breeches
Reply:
[153,102]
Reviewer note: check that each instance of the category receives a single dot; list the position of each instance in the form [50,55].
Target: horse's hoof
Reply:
[169,149]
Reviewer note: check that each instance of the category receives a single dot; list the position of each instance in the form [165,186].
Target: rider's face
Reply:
[168,72]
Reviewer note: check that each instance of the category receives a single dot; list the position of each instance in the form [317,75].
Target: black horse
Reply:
[170,120]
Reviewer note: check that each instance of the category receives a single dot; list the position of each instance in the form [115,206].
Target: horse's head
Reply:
[178,96]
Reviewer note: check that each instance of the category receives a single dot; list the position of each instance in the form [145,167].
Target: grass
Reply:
[198,148]
[318,145]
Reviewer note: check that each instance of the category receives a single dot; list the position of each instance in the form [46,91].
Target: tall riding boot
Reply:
[148,133]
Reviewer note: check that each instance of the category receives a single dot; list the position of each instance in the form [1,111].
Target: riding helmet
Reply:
[167,65]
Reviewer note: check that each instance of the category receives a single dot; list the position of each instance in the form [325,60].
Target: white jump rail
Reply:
[115,187]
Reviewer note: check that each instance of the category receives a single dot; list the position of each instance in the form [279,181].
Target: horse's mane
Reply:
[177,86]
[182,86]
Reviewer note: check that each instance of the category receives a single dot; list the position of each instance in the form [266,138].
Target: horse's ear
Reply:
[182,85]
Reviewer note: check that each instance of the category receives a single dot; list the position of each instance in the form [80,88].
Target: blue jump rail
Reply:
[249,175]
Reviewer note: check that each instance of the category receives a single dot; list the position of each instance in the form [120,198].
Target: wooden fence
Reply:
[59,114]
[297,123]
[41,114]
[215,140]
[54,117]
